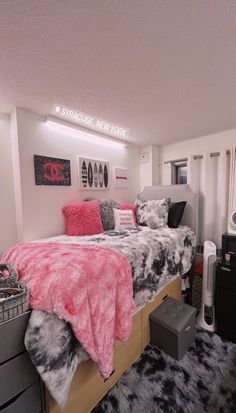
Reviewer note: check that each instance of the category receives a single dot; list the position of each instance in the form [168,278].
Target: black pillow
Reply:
[176,211]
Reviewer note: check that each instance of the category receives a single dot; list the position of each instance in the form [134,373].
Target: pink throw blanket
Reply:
[88,286]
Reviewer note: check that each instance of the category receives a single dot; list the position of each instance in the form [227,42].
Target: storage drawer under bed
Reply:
[13,333]
[15,376]
[28,401]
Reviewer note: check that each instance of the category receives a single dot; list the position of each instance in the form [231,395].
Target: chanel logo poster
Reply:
[51,171]
[93,174]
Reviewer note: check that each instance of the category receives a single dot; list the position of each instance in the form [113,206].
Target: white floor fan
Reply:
[206,317]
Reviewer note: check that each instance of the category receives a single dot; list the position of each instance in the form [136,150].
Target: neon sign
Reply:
[89,121]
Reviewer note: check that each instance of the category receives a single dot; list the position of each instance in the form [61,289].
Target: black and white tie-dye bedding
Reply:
[156,256]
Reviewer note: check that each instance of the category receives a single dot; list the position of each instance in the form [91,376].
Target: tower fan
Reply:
[206,317]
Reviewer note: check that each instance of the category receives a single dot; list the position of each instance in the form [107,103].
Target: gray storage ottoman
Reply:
[173,327]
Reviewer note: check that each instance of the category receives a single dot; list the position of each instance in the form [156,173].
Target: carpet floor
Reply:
[204,381]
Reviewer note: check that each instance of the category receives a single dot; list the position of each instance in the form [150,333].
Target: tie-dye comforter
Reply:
[155,256]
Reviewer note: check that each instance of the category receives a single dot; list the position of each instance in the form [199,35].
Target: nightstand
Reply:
[21,390]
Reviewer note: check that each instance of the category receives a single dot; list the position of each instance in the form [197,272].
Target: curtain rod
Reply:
[212,154]
[176,160]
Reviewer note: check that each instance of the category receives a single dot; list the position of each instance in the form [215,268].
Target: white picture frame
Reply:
[93,174]
[121,177]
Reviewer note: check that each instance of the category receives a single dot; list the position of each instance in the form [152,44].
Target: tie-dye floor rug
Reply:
[204,381]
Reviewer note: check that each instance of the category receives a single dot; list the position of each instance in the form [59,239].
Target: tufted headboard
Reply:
[177,193]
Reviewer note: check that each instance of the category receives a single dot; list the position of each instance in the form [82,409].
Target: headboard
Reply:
[177,193]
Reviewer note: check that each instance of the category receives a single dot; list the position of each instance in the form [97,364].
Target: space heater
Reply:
[206,317]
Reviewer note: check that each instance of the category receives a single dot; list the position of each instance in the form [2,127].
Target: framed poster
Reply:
[51,171]
[121,177]
[93,174]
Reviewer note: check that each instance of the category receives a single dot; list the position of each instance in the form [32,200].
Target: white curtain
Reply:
[195,181]
[232,181]
[209,177]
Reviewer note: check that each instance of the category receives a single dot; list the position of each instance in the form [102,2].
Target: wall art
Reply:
[51,171]
[121,177]
[93,174]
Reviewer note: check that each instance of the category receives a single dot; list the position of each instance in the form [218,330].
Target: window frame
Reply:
[175,167]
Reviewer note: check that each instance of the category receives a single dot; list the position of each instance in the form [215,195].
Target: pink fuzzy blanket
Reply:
[88,286]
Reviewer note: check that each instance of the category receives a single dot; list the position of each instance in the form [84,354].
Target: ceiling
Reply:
[165,69]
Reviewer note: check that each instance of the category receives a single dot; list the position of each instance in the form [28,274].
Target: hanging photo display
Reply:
[93,174]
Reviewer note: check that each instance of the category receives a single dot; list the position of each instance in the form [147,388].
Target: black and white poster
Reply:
[93,174]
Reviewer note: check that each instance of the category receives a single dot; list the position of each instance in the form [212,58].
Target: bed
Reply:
[88,387]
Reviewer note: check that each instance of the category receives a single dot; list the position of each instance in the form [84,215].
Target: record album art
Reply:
[93,174]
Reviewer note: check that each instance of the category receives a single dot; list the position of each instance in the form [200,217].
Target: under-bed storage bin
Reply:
[173,327]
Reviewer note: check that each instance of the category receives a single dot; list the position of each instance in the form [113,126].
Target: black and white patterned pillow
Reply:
[152,213]
[107,214]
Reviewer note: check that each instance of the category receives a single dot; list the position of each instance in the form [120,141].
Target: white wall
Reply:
[208,176]
[41,205]
[149,166]
[7,205]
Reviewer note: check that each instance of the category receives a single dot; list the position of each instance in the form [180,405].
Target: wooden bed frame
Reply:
[88,388]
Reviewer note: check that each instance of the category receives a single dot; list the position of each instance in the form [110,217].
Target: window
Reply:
[179,173]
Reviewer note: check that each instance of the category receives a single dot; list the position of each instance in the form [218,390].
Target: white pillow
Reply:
[124,218]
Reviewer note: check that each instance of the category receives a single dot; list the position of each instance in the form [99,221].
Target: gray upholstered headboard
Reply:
[176,193]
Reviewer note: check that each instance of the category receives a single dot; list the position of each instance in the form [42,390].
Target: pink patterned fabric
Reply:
[88,286]
[129,206]
[83,218]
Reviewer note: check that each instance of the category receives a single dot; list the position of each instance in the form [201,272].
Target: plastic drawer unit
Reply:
[20,386]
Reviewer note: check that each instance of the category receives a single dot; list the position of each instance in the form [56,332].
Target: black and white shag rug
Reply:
[204,381]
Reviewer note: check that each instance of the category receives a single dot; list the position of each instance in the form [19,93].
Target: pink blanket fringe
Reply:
[88,286]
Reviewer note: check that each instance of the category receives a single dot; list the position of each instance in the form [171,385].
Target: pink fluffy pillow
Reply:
[129,206]
[83,218]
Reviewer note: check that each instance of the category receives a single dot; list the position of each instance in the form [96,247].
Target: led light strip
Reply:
[68,129]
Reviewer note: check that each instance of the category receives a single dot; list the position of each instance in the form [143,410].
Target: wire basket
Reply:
[12,305]
[7,274]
